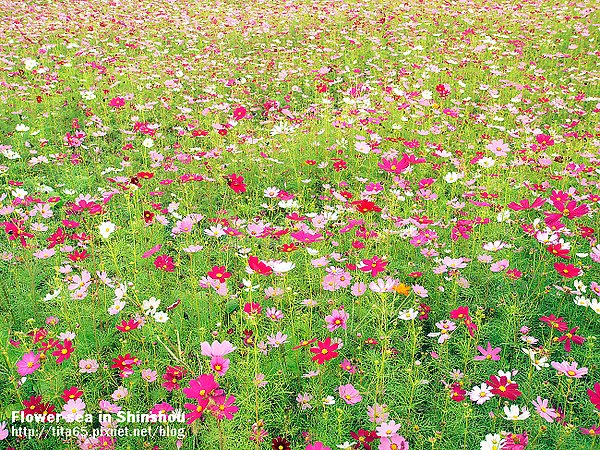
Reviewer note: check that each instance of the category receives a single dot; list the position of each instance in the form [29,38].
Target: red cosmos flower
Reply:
[239,113]
[569,337]
[324,351]
[555,322]
[236,182]
[47,410]
[14,230]
[524,204]
[172,376]
[73,393]
[593,431]
[424,311]
[296,217]
[219,273]
[288,248]
[148,216]
[374,265]
[457,393]
[77,256]
[252,309]
[365,206]
[471,326]
[567,270]
[38,335]
[164,262]
[503,387]
[33,406]
[461,312]
[70,224]
[364,438]
[63,351]
[58,237]
[145,175]
[128,325]
[557,250]
[594,395]
[125,364]
[514,274]
[46,347]
[258,266]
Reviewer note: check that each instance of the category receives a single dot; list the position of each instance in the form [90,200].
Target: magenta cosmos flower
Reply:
[317,446]
[28,364]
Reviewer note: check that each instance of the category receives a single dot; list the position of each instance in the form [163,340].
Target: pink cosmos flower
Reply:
[388,429]
[88,366]
[570,369]
[499,266]
[498,147]
[349,394]
[488,353]
[347,365]
[219,364]
[546,412]
[377,413]
[73,409]
[216,348]
[337,319]
[358,289]
[394,443]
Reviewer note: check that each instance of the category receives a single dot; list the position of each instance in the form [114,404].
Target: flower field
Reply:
[299,225]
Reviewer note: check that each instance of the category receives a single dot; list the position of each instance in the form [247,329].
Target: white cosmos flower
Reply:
[281,266]
[453,177]
[514,413]
[503,215]
[492,442]
[408,314]
[151,305]
[148,143]
[494,246]
[30,64]
[288,204]
[106,229]
[486,162]
[52,295]
[161,317]
[88,95]
[22,127]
